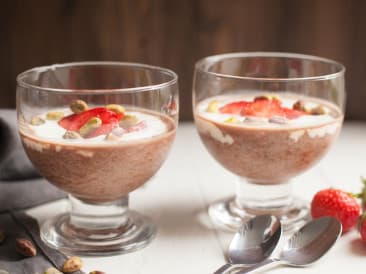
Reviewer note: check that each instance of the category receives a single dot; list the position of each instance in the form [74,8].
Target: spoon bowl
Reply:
[254,242]
[306,246]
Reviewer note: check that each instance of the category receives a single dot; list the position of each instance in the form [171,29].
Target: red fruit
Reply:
[336,203]
[235,107]
[104,129]
[263,108]
[292,113]
[362,226]
[75,121]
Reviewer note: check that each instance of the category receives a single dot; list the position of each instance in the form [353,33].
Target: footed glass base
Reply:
[60,234]
[230,215]
[98,229]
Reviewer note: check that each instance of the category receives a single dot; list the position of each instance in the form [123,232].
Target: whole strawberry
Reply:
[336,203]
[362,226]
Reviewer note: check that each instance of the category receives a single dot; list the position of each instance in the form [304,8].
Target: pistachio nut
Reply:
[116,108]
[90,126]
[78,106]
[97,272]
[115,134]
[213,107]
[71,135]
[232,120]
[270,97]
[319,110]
[300,106]
[52,270]
[54,115]
[72,264]
[128,121]
[36,121]
[25,247]
[2,236]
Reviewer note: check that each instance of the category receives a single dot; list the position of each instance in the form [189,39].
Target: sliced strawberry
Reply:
[104,129]
[292,113]
[235,107]
[263,108]
[74,122]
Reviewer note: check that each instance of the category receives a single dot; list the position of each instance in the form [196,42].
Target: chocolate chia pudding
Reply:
[105,167]
[266,148]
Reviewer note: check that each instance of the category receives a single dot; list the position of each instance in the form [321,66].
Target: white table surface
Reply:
[178,196]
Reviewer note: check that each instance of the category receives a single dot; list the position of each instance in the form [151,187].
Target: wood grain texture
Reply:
[175,34]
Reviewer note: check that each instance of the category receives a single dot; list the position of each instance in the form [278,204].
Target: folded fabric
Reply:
[20,225]
[14,163]
[20,184]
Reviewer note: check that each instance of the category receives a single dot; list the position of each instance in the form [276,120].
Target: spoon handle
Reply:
[223,269]
[259,266]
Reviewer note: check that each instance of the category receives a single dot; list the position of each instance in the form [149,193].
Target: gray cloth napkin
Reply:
[20,184]
[20,225]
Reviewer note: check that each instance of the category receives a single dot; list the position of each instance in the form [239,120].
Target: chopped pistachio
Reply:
[232,120]
[54,115]
[213,107]
[36,121]
[128,121]
[90,126]
[72,264]
[319,110]
[300,106]
[71,135]
[78,106]
[267,97]
[116,108]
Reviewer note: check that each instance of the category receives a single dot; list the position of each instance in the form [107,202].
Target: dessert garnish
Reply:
[36,121]
[262,106]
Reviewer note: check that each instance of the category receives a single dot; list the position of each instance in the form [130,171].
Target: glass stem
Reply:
[260,198]
[100,216]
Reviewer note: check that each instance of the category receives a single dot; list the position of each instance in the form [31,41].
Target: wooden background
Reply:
[175,34]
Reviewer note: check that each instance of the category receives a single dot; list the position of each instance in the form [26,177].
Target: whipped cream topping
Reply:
[51,130]
[331,112]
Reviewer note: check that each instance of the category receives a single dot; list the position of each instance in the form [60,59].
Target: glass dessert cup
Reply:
[267,117]
[98,131]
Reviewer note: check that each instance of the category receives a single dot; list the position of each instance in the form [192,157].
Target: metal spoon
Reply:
[254,242]
[304,247]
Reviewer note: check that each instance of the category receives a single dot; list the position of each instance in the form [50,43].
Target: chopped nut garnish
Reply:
[54,115]
[232,120]
[71,135]
[90,126]
[213,107]
[72,264]
[78,106]
[128,121]
[25,247]
[267,97]
[116,108]
[319,110]
[36,121]
[300,106]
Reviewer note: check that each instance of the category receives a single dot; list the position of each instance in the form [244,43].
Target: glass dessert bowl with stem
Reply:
[267,117]
[98,131]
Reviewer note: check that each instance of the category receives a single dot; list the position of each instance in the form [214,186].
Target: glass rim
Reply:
[219,57]
[20,79]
